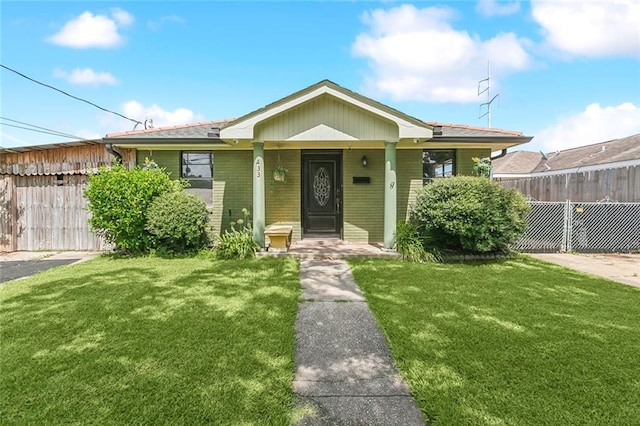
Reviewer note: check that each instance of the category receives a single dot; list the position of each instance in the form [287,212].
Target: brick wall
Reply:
[282,203]
[363,203]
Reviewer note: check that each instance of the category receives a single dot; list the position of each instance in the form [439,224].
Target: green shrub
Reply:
[411,245]
[237,244]
[179,222]
[469,214]
[118,201]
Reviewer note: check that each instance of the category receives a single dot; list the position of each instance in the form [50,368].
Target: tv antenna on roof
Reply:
[486,90]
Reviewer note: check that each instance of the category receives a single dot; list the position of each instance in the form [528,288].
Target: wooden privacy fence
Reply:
[621,184]
[45,213]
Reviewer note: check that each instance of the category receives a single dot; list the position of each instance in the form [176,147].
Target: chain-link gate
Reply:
[581,227]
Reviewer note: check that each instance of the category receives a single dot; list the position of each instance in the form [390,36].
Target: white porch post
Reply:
[390,191]
[258,193]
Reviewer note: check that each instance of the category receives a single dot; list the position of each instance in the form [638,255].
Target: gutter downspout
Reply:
[502,154]
[113,152]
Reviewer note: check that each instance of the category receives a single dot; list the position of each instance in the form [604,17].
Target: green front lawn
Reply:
[150,341]
[511,342]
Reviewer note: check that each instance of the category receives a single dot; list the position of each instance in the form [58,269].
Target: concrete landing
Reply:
[344,370]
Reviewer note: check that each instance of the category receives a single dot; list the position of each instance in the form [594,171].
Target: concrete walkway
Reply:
[621,267]
[344,370]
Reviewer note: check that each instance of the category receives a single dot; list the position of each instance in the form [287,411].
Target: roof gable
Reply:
[408,127]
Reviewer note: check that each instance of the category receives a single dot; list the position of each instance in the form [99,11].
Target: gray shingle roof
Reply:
[185,131]
[612,151]
[517,162]
[463,130]
[603,153]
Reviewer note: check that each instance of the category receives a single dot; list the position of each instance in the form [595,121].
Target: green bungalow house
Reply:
[353,164]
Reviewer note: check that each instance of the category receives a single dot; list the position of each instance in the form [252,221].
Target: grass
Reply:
[150,341]
[511,342]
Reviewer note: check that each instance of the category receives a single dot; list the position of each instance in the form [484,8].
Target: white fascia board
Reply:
[245,129]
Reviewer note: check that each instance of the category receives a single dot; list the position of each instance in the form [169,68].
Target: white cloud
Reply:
[595,124]
[590,28]
[89,30]
[497,7]
[155,25]
[161,117]
[415,54]
[122,17]
[86,77]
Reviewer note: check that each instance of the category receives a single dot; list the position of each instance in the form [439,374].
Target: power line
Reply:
[45,132]
[50,131]
[71,96]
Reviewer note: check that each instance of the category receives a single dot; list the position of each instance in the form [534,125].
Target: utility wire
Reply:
[51,131]
[43,131]
[71,96]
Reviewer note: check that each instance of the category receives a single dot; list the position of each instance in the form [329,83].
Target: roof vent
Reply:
[214,133]
[437,130]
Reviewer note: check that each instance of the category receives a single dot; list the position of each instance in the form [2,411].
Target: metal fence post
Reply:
[567,228]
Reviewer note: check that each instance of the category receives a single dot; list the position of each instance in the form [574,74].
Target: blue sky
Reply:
[567,72]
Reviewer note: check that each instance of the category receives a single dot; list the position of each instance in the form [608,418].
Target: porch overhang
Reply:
[246,128]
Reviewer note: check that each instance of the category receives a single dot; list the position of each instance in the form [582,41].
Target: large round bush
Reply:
[179,221]
[469,214]
[118,199]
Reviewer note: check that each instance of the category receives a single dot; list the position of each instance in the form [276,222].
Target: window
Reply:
[438,163]
[197,168]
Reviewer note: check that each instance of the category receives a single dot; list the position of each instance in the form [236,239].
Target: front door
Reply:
[321,192]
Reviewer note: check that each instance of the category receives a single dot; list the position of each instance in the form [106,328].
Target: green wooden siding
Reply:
[283,205]
[464,162]
[332,112]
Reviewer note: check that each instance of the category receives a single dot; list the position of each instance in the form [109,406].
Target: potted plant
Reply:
[280,173]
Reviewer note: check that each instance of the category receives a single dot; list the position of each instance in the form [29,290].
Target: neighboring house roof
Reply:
[44,147]
[72,158]
[517,162]
[610,154]
[613,151]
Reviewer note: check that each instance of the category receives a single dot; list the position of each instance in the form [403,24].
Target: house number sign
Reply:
[258,168]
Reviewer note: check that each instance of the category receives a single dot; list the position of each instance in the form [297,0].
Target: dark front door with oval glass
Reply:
[321,192]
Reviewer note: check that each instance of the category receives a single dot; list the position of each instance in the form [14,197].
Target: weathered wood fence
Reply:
[48,212]
[621,184]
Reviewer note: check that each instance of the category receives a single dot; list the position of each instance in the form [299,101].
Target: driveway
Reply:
[21,264]
[621,267]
